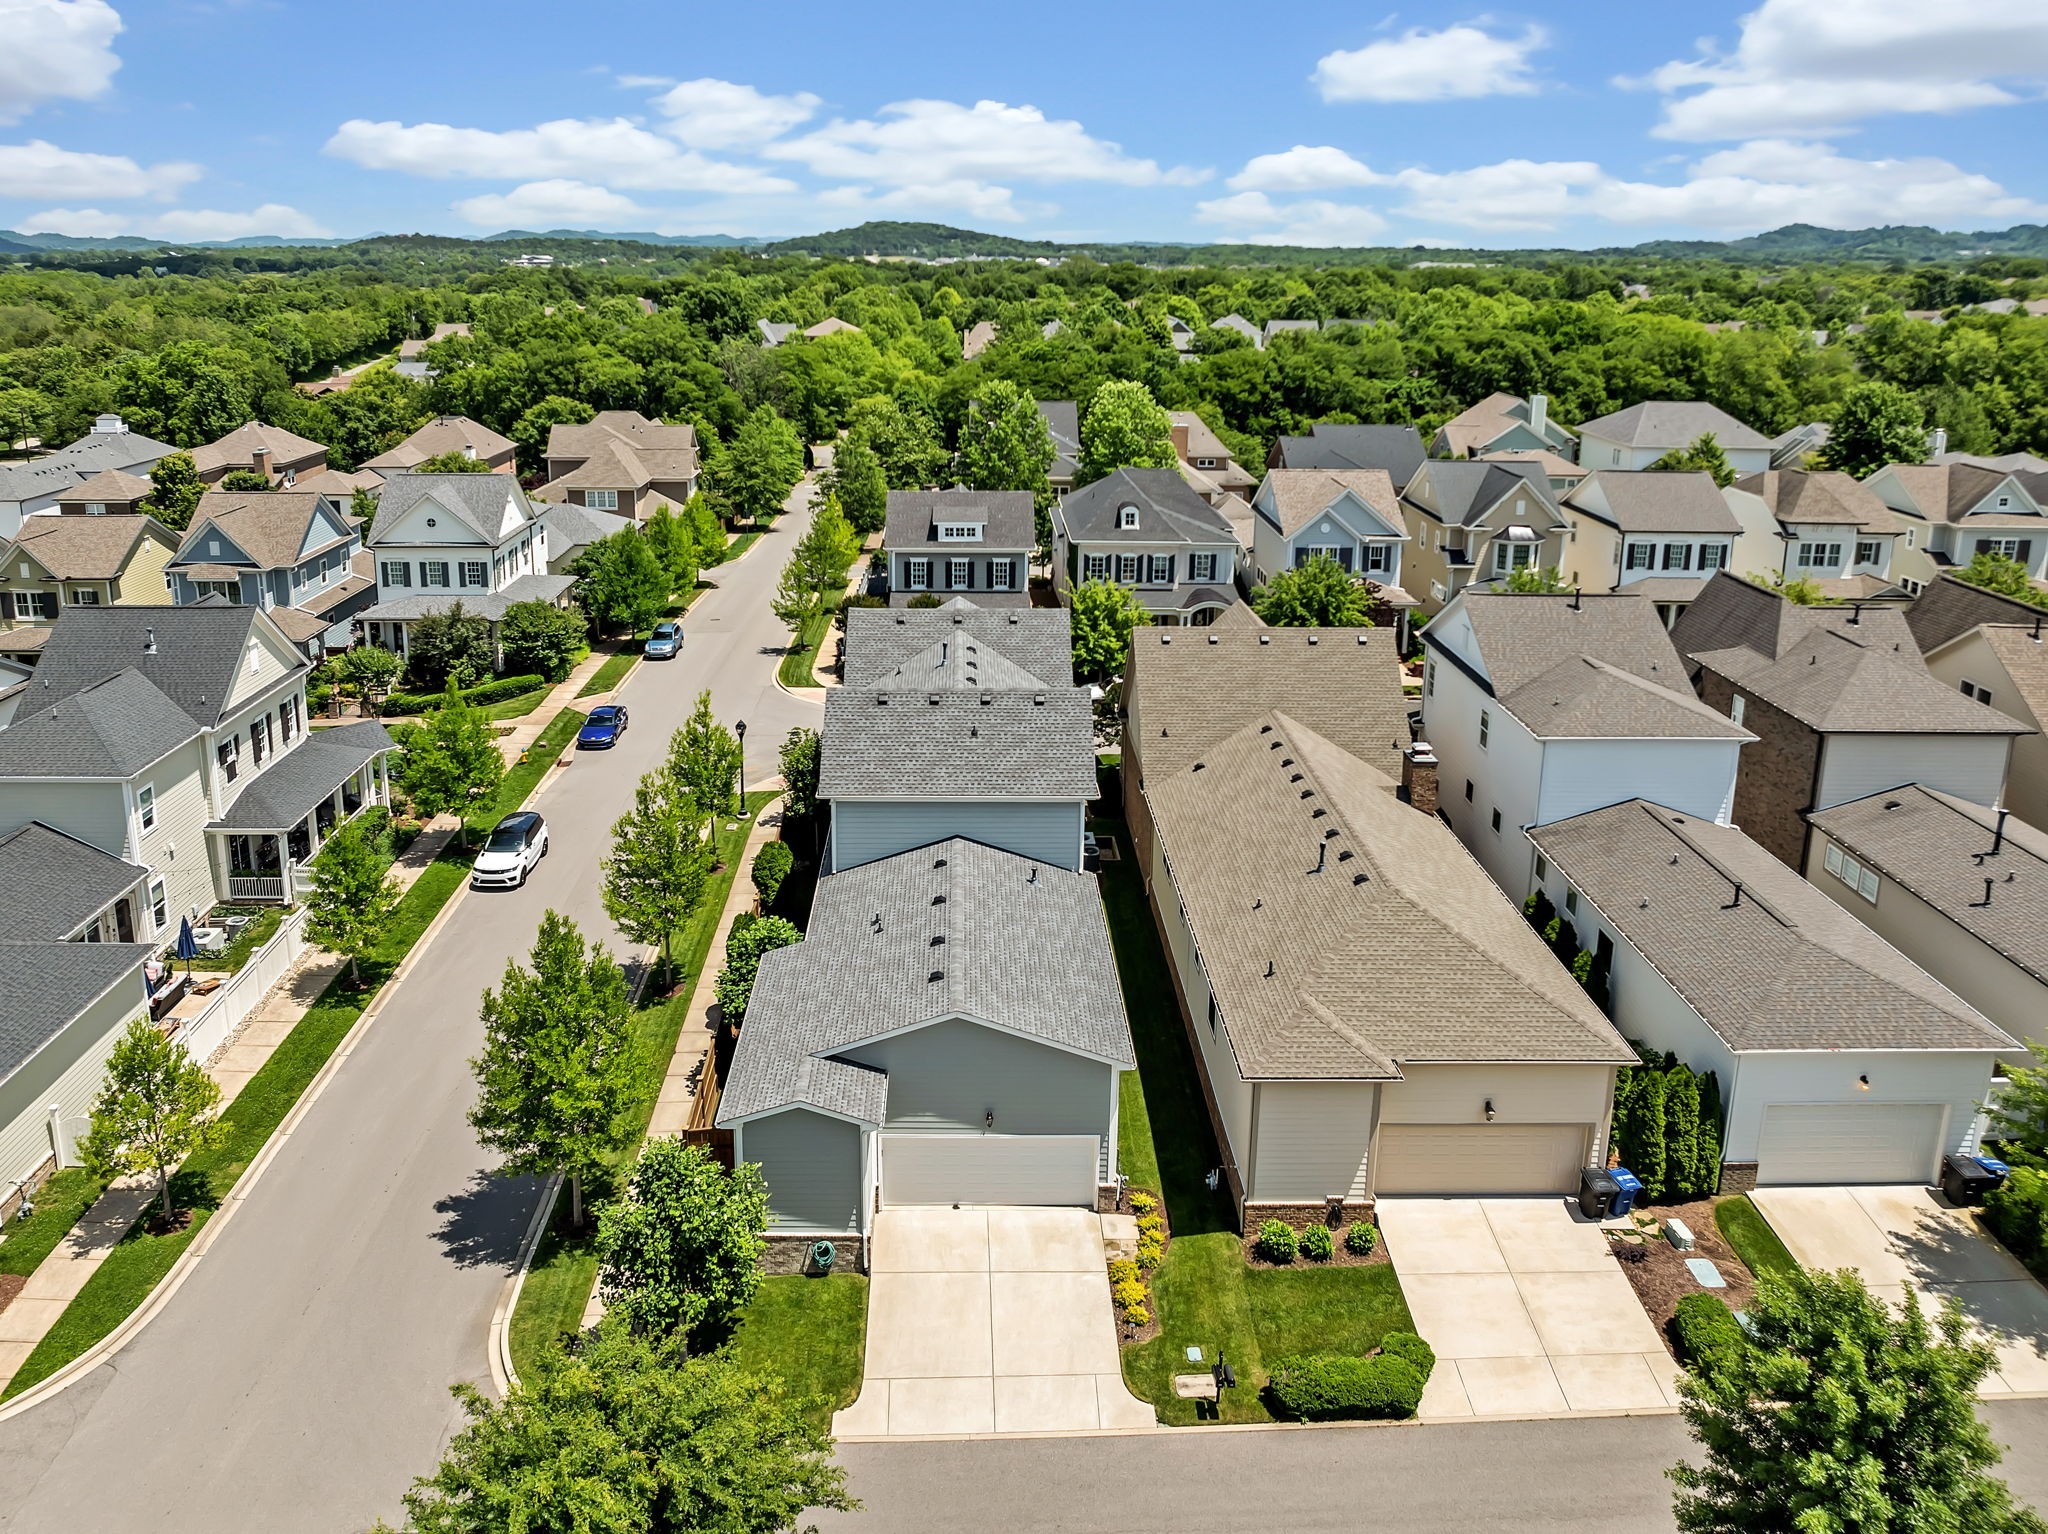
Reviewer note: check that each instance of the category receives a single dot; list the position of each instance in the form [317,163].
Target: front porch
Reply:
[261,848]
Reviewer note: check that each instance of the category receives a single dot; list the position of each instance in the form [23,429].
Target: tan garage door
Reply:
[990,1169]
[1479,1158]
[1849,1142]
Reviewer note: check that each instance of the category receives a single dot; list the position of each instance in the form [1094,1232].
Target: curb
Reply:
[181,1270]
[503,1375]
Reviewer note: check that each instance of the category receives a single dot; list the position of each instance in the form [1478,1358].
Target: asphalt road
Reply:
[1589,1477]
[298,1381]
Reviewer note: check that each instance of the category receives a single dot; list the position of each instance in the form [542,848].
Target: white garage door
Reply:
[989,1169]
[1850,1142]
[1479,1158]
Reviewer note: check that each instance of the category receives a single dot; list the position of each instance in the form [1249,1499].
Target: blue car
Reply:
[665,643]
[601,731]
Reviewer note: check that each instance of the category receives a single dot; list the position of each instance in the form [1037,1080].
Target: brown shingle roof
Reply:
[109,485]
[1347,935]
[1190,688]
[1839,684]
[1731,610]
[1952,606]
[443,434]
[1651,501]
[1800,495]
[622,448]
[269,526]
[1300,495]
[87,548]
[235,449]
[1930,844]
[1768,960]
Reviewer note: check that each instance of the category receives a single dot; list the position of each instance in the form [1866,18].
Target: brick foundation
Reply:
[1737,1177]
[792,1254]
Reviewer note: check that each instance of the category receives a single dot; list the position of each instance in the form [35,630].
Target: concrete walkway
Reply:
[1528,1311]
[986,1321]
[58,1278]
[528,727]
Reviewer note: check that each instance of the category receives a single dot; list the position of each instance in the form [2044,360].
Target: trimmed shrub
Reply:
[489,692]
[1150,1250]
[771,866]
[1707,1331]
[923,599]
[1143,1203]
[1316,1244]
[1122,1270]
[1332,1388]
[1129,1295]
[2017,1212]
[1277,1241]
[862,599]
[1138,1315]
[1361,1239]
[1151,1225]
[1410,1348]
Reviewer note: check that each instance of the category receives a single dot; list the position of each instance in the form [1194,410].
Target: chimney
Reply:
[1539,412]
[1180,443]
[259,460]
[1937,442]
[1418,776]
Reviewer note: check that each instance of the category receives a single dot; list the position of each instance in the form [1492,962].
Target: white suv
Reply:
[517,844]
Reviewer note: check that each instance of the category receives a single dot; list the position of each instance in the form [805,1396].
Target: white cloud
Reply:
[929,143]
[54,49]
[1512,194]
[550,205]
[1458,63]
[975,199]
[39,169]
[613,150]
[1309,222]
[717,114]
[1304,168]
[179,223]
[1804,68]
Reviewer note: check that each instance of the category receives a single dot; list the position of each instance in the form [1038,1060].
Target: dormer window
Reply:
[959,532]
[1126,518]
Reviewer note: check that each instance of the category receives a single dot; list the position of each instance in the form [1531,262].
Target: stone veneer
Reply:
[792,1254]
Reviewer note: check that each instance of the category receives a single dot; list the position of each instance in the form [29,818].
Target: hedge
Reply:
[488,692]
[2017,1212]
[1707,1331]
[1667,1127]
[1331,1387]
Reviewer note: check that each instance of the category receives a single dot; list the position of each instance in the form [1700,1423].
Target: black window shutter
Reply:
[2026,552]
[1983,546]
[6,604]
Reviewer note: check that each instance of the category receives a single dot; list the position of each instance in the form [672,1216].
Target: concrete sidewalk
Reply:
[58,1278]
[529,727]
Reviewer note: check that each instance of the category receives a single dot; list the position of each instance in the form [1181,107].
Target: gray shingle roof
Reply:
[286,792]
[1458,492]
[1949,607]
[1586,666]
[479,499]
[51,883]
[1766,958]
[55,473]
[1169,510]
[1929,843]
[44,987]
[1640,501]
[870,966]
[1733,611]
[1673,424]
[886,743]
[198,652]
[1187,689]
[1400,950]
[914,518]
[111,729]
[1039,640]
[1397,449]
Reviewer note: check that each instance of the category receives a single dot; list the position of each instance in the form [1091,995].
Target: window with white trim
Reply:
[396,572]
[1971,690]
[1852,873]
[434,572]
[1819,556]
[1571,901]
[1127,517]
[1485,728]
[601,500]
[1095,567]
[287,721]
[999,573]
[959,532]
[83,596]
[35,604]
[917,574]
[229,754]
[476,572]
[1642,556]
[1162,570]
[1678,556]
[2003,548]
[159,905]
[1869,552]
[1376,558]
[959,574]
[145,808]
[1508,557]
[1201,567]
[1737,706]
[1713,556]
[1127,569]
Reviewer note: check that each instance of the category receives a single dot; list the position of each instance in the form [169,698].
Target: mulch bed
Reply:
[1660,1278]
[1128,1335]
[11,1284]
[1340,1258]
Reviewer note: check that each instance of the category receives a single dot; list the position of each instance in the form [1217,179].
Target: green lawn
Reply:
[59,1202]
[812,1332]
[517,706]
[800,660]
[1744,1227]
[522,777]
[739,545]
[1206,1295]
[564,1269]
[263,924]
[140,1260]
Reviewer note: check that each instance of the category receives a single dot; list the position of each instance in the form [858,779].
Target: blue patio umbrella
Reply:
[188,946]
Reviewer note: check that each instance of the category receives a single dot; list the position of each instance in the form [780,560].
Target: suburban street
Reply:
[299,1380]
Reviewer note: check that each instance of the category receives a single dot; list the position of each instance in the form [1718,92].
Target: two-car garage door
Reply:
[1479,1158]
[990,1169]
[1850,1142]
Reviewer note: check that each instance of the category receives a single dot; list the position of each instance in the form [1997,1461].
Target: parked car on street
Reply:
[601,731]
[665,643]
[517,844]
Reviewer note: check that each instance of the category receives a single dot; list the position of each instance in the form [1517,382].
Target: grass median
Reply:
[800,660]
[140,1260]
[564,1267]
[1744,1227]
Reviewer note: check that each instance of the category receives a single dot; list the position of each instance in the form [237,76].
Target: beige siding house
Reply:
[621,461]
[2006,666]
[59,563]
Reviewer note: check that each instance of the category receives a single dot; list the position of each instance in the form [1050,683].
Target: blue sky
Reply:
[1590,124]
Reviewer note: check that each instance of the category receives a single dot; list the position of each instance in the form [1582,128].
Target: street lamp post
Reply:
[740,789]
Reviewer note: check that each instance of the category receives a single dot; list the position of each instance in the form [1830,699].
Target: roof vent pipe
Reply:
[1998,835]
[149,641]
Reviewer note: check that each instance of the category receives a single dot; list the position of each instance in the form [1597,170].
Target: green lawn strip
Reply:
[517,706]
[799,661]
[564,1268]
[1744,1227]
[1202,1302]
[1313,1309]
[58,1202]
[132,1270]
[262,927]
[613,671]
[739,545]
[812,1334]
[523,776]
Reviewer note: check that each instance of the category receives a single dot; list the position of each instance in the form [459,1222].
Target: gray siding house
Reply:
[976,543]
[1150,530]
[294,553]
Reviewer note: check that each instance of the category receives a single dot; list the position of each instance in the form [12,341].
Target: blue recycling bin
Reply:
[1627,1186]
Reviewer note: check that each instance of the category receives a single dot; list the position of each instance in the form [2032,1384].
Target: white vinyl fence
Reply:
[243,992]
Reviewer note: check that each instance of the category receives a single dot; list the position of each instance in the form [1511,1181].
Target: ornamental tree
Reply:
[1319,594]
[541,639]
[681,1249]
[705,759]
[156,1106]
[2007,577]
[655,872]
[1103,614]
[1843,1413]
[745,946]
[558,1073]
[1125,427]
[353,898]
[452,759]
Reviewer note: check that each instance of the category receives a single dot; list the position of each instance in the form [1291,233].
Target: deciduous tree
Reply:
[1004,442]
[156,1106]
[353,897]
[1703,455]
[1879,423]
[1125,427]
[674,546]
[541,639]
[799,764]
[752,475]
[705,759]
[745,946]
[1103,614]
[1319,594]
[620,583]
[857,482]
[2007,577]
[452,760]
[245,481]
[681,1250]
[654,874]
[454,461]
[558,1072]
[530,432]
[174,490]
[451,647]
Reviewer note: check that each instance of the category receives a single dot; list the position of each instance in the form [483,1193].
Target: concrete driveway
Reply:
[1527,1309]
[989,1321]
[1913,1236]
